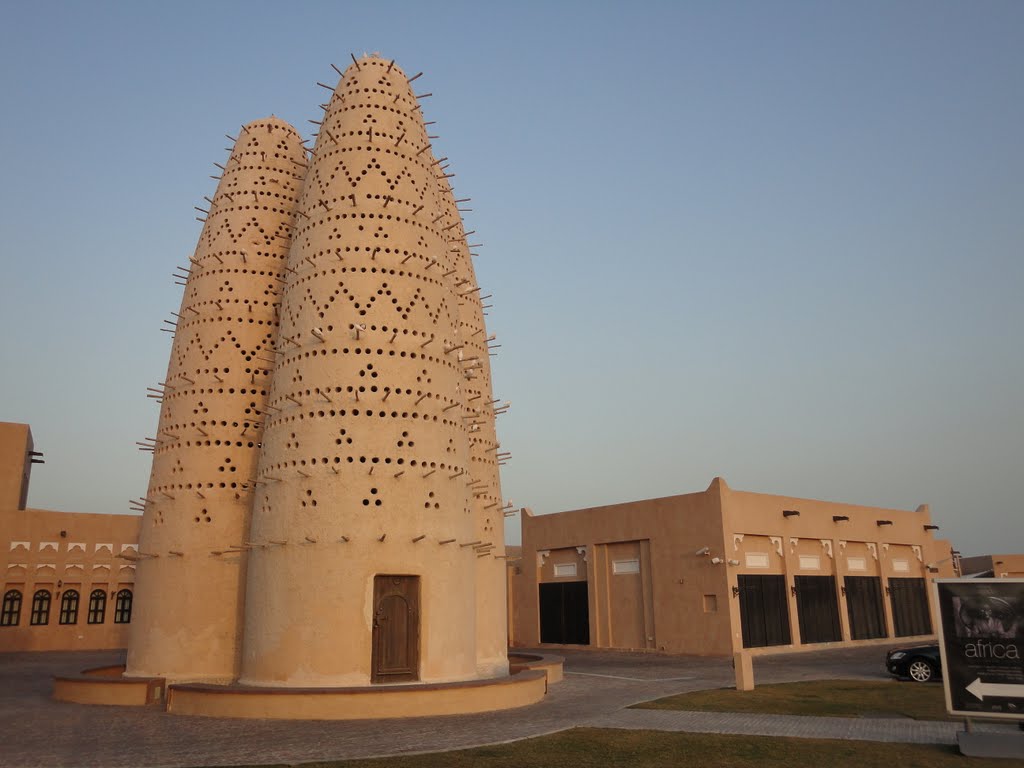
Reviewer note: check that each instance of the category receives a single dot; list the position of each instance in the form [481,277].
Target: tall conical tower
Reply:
[366,547]
[190,577]
[480,410]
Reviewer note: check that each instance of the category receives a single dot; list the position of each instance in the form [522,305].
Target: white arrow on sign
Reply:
[980,690]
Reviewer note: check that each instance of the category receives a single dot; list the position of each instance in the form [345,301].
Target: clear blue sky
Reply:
[777,242]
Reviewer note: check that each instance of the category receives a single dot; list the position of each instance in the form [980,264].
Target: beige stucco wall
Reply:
[690,605]
[56,552]
[900,547]
[684,607]
[15,464]
[37,556]
[1002,566]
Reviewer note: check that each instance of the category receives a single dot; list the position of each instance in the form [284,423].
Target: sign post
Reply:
[981,638]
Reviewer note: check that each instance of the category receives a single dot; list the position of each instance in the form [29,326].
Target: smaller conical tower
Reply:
[190,575]
[480,410]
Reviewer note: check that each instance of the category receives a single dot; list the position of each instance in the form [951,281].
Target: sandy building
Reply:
[715,572]
[66,584]
[994,566]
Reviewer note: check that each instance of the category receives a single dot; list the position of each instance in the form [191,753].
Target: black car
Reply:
[921,663]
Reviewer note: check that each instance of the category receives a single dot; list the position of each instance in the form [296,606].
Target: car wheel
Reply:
[920,671]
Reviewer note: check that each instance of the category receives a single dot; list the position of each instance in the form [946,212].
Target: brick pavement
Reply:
[35,730]
[894,729]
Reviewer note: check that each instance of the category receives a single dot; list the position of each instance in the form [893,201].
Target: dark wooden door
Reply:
[396,629]
[910,615]
[817,609]
[764,612]
[864,607]
[565,613]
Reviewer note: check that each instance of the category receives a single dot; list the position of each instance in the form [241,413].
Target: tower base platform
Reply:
[528,683]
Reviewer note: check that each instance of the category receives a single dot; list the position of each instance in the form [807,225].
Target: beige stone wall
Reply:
[818,541]
[197,509]
[58,553]
[691,549]
[683,605]
[1008,566]
[15,464]
[1002,566]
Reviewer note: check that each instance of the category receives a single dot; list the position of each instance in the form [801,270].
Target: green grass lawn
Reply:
[835,698]
[586,747]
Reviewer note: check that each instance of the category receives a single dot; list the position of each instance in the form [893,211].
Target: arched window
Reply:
[97,606]
[69,607]
[11,614]
[123,607]
[40,607]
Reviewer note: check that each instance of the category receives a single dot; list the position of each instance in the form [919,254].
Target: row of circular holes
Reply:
[250,444]
[257,192]
[308,230]
[329,251]
[239,169]
[283,126]
[227,210]
[279,152]
[294,357]
[184,325]
[333,413]
[387,460]
[234,252]
[237,178]
[282,419]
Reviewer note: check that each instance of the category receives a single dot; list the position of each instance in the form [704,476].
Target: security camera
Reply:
[717,560]
[703,551]
[734,562]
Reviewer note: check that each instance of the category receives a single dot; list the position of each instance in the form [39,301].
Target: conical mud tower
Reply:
[479,412]
[190,578]
[324,515]
[366,537]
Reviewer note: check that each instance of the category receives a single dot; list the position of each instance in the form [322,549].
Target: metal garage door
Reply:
[818,609]
[565,613]
[864,607]
[764,613]
[910,615]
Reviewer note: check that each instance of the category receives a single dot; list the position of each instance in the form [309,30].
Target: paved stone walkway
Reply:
[37,731]
[857,729]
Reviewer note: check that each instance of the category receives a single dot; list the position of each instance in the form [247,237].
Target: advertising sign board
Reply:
[981,637]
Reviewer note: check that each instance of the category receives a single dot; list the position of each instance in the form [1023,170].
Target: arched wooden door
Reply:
[396,629]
